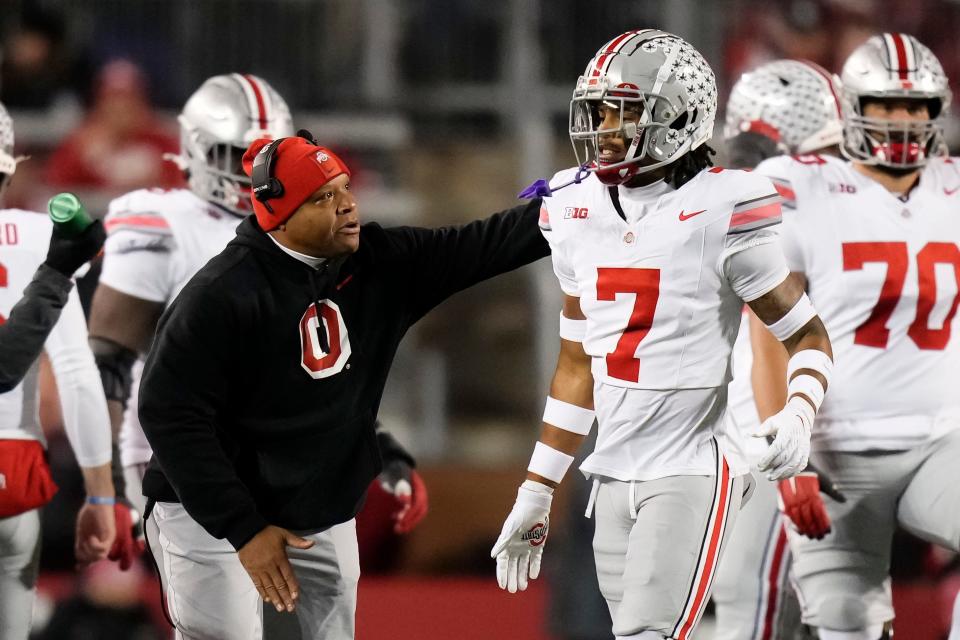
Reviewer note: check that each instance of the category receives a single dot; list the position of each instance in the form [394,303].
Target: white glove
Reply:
[520,546]
[789,452]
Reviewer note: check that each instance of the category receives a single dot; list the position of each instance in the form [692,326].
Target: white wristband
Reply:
[549,463]
[568,417]
[801,313]
[810,387]
[813,359]
[573,330]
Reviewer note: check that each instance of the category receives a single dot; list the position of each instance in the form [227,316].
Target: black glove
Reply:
[67,254]
[748,149]
[827,486]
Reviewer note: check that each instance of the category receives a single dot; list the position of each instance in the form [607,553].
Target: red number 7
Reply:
[622,363]
[873,332]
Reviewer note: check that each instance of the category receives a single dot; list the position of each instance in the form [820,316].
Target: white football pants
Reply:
[19,561]
[843,581]
[657,544]
[752,595]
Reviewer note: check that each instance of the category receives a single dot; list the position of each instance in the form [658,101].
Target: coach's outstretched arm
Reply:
[790,318]
[450,259]
[567,419]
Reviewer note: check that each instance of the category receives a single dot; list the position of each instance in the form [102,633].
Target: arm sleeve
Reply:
[84,407]
[391,449]
[182,401]
[450,259]
[753,264]
[23,335]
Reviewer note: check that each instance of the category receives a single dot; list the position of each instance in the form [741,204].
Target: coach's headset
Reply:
[265,185]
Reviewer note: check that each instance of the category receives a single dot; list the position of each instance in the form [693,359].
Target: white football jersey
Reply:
[24,240]
[663,308]
[157,240]
[883,273]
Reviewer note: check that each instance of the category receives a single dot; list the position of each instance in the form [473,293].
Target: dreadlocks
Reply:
[689,165]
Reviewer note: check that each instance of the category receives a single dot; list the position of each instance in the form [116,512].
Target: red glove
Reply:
[129,543]
[801,501]
[411,495]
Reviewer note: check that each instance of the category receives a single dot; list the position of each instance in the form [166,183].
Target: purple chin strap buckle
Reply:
[542,189]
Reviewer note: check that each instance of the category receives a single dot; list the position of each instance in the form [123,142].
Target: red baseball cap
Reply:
[302,168]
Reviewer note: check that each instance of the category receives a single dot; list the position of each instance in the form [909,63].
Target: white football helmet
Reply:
[217,124]
[662,77]
[794,102]
[893,65]
[8,164]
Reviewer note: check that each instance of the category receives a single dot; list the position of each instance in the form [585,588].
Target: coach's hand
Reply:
[789,452]
[519,548]
[801,502]
[265,559]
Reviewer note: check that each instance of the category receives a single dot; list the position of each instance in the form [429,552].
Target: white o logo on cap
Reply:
[322,157]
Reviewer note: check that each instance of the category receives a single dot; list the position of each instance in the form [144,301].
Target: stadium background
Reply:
[446,109]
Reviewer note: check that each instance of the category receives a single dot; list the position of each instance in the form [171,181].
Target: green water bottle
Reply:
[69,214]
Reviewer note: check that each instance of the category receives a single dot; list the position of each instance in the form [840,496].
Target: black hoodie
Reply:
[256,416]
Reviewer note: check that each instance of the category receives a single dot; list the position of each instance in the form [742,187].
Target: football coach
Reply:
[260,394]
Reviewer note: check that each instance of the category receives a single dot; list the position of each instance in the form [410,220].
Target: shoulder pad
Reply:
[809,158]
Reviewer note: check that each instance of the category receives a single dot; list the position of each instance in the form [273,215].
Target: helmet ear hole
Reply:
[681,120]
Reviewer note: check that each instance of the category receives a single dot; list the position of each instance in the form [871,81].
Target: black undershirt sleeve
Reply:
[24,333]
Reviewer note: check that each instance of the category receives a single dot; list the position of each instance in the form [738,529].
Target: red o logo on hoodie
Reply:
[314,360]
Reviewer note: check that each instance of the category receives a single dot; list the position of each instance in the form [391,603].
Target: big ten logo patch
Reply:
[577,213]
[839,187]
[323,358]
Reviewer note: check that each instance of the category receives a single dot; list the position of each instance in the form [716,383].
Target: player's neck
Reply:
[898,184]
[646,179]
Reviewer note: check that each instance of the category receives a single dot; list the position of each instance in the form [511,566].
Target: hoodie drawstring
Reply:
[321,328]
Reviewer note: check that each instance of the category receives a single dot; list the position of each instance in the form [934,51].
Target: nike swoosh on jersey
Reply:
[950,192]
[690,215]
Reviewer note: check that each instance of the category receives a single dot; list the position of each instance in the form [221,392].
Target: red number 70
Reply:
[873,332]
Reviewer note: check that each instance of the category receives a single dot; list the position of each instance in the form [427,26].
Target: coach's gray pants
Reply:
[19,560]
[211,597]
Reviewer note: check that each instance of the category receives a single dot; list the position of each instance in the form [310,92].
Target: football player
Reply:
[25,482]
[876,241]
[656,254]
[785,106]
